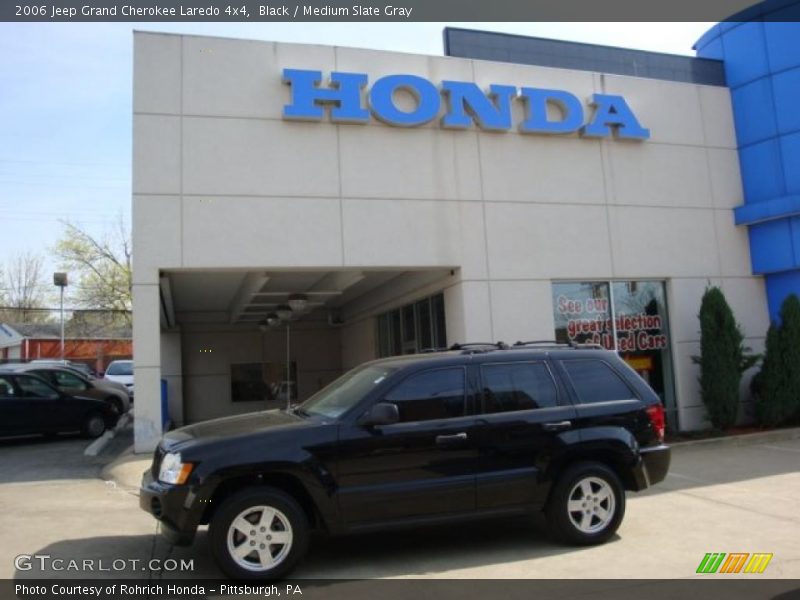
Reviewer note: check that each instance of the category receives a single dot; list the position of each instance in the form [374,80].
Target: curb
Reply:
[774,435]
[98,445]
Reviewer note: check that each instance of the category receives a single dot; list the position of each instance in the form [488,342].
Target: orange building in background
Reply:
[26,342]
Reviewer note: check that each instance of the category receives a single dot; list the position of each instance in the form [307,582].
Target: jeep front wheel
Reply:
[259,533]
[586,505]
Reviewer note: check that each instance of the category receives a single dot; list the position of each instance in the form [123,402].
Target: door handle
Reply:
[557,426]
[450,440]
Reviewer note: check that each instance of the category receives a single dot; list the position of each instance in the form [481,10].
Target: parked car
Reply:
[82,368]
[29,405]
[121,371]
[479,431]
[71,382]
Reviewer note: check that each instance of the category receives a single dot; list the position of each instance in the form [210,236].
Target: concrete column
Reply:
[147,428]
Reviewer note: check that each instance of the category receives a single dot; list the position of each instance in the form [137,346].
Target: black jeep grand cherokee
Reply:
[480,430]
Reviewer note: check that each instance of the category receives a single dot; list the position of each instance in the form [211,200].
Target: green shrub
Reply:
[723,358]
[778,388]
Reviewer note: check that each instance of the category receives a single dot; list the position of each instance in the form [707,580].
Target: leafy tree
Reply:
[103,268]
[723,358]
[778,389]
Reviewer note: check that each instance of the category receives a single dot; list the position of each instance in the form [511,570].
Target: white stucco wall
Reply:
[221,181]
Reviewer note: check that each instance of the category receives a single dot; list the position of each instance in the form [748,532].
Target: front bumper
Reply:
[652,466]
[175,507]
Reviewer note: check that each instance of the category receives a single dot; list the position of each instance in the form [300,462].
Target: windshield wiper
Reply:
[299,411]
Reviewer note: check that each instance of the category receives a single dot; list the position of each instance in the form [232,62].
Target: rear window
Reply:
[595,381]
[510,387]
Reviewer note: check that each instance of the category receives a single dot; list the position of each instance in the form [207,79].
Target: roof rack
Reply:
[540,343]
[585,346]
[479,346]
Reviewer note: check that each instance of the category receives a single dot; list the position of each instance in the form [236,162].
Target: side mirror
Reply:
[381,413]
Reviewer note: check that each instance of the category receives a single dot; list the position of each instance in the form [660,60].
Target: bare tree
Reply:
[102,265]
[23,289]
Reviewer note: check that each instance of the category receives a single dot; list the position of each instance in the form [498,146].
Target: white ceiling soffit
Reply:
[251,285]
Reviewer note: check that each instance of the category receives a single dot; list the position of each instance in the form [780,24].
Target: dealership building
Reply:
[301,209]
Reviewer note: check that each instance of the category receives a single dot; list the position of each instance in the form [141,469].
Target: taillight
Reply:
[656,416]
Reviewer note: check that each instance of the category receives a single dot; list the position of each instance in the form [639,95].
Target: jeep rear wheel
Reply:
[259,533]
[587,504]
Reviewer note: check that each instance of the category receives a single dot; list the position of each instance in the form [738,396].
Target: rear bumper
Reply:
[652,467]
[173,506]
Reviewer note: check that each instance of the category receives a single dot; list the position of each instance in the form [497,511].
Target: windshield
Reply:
[344,393]
[120,368]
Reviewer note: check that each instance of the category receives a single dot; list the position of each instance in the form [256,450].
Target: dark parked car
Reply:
[29,405]
[479,431]
[73,383]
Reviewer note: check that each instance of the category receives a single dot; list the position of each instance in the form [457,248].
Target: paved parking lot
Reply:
[719,497]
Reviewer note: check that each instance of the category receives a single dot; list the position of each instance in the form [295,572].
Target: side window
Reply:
[437,394]
[595,381]
[6,388]
[517,386]
[33,387]
[64,380]
[46,375]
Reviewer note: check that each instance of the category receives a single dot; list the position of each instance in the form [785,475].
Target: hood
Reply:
[238,425]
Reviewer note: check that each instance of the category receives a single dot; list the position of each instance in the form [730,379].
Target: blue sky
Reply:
[65,105]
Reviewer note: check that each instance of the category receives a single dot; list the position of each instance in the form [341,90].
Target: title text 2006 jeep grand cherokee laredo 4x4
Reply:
[480,430]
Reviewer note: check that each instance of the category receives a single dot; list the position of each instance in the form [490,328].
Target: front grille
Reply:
[158,455]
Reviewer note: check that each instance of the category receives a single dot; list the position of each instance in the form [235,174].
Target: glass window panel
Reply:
[397,338]
[594,381]
[439,326]
[582,313]
[640,312]
[518,386]
[425,335]
[33,387]
[430,395]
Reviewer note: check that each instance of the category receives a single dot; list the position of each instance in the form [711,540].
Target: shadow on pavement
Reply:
[423,551]
[57,457]
[700,465]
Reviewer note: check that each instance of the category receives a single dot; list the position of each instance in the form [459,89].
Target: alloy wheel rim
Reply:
[591,505]
[259,538]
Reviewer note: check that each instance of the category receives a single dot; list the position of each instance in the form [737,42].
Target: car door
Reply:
[43,408]
[420,467]
[12,408]
[524,419]
[70,384]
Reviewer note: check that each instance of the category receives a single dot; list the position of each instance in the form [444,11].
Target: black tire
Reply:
[94,426]
[251,498]
[594,527]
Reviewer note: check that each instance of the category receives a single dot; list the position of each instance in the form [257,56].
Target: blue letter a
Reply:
[613,111]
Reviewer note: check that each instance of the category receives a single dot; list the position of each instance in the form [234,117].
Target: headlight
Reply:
[172,470]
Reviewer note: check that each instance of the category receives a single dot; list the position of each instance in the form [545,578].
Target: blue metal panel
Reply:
[780,285]
[756,212]
[771,246]
[786,92]
[762,175]
[783,48]
[790,151]
[753,111]
[745,53]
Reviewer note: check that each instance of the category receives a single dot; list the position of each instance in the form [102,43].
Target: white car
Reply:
[121,371]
